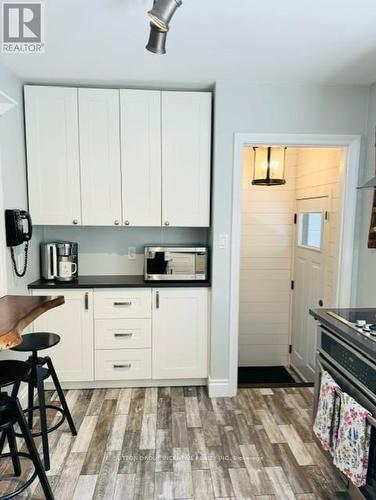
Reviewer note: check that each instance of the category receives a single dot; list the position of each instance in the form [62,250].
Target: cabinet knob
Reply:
[126,222]
[75,221]
[166,223]
[116,222]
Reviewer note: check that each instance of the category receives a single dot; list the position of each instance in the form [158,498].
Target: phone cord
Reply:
[22,273]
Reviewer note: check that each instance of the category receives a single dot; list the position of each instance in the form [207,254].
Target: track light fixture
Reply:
[161,13]
[157,40]
[160,16]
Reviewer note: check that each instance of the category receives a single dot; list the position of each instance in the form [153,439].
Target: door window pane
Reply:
[310,229]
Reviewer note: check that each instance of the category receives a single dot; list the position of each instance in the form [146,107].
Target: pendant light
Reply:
[269,166]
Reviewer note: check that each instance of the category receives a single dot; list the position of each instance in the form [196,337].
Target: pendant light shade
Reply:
[161,13]
[269,166]
[157,40]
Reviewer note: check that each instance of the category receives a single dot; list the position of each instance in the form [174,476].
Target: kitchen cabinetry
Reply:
[99,131]
[51,122]
[128,157]
[180,333]
[73,321]
[130,334]
[140,112]
[186,149]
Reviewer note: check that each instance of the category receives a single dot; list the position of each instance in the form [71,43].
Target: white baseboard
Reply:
[220,388]
[129,383]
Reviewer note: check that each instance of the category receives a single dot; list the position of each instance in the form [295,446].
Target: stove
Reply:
[361,320]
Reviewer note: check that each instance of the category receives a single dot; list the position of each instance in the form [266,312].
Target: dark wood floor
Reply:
[173,443]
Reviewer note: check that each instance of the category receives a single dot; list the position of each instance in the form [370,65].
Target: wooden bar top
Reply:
[17,312]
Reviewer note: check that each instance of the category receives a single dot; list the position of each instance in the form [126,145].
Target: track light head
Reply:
[161,13]
[157,40]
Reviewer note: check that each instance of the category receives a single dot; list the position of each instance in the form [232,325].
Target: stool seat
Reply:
[37,341]
[13,371]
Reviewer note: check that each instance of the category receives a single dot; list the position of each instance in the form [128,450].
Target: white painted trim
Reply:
[219,388]
[110,384]
[6,103]
[347,230]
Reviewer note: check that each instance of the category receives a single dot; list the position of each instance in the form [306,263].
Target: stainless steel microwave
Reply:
[176,263]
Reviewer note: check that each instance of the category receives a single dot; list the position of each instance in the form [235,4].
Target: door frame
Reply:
[347,209]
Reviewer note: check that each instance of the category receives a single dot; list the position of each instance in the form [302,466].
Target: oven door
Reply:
[348,384]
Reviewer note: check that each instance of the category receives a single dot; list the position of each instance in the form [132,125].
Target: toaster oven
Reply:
[176,263]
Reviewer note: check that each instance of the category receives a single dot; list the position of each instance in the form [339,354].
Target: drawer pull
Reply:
[129,365]
[123,334]
[122,303]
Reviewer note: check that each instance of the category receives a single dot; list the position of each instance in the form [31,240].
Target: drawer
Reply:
[132,303]
[123,364]
[122,333]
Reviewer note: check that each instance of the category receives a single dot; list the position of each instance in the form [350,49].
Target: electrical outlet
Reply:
[131,253]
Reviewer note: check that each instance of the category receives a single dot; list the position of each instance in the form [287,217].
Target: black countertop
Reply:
[113,282]
[350,335]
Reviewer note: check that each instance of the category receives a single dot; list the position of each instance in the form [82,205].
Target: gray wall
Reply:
[366,282]
[13,175]
[104,250]
[262,108]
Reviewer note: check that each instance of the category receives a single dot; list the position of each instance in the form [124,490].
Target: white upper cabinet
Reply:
[140,112]
[100,157]
[186,152]
[53,155]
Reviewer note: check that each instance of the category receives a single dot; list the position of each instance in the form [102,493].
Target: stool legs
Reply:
[60,392]
[43,416]
[15,389]
[13,449]
[32,450]
[30,403]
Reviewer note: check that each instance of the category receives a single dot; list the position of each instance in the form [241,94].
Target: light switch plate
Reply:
[131,253]
[223,241]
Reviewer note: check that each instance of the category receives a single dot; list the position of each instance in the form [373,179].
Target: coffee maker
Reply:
[59,261]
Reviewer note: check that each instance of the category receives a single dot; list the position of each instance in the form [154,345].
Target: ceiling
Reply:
[300,41]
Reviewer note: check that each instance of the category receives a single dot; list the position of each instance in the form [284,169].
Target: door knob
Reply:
[75,221]
[116,222]
[321,303]
[166,223]
[126,222]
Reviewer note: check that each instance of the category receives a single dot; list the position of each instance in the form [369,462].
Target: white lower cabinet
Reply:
[73,321]
[129,334]
[180,333]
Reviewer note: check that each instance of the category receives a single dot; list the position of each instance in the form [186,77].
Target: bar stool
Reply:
[11,413]
[35,342]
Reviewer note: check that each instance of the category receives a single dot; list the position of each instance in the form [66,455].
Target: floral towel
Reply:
[327,416]
[354,435]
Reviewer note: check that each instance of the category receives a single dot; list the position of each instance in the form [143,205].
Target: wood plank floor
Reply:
[176,443]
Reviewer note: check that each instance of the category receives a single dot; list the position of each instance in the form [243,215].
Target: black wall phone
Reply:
[19,229]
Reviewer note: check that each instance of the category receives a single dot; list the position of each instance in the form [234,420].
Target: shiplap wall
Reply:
[318,175]
[267,250]
[266,260]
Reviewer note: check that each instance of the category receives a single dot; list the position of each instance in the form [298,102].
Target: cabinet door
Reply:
[186,147]
[180,333]
[141,157]
[73,321]
[51,120]
[100,156]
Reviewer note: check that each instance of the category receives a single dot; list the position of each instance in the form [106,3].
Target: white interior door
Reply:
[309,281]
